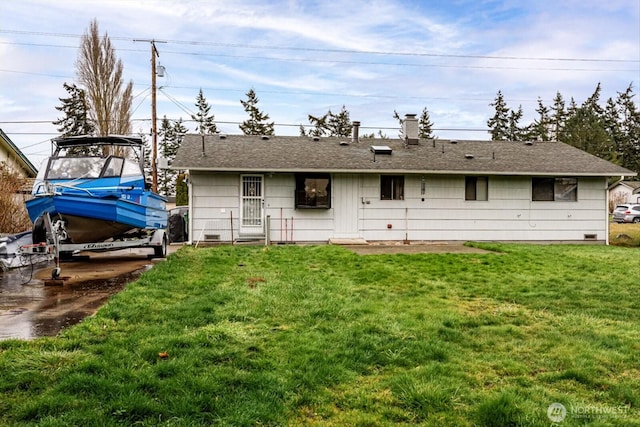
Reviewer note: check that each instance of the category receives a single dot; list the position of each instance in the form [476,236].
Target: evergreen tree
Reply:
[425,126]
[205,122]
[329,124]
[540,127]
[340,124]
[499,123]
[257,123]
[76,110]
[76,121]
[171,136]
[515,132]
[628,131]
[320,126]
[593,102]
[557,118]
[168,146]
[182,191]
[586,130]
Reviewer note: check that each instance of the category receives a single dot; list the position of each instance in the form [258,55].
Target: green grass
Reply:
[317,335]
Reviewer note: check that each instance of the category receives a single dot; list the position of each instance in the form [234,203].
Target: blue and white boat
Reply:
[94,190]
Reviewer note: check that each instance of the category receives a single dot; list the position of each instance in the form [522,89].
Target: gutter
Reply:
[394,171]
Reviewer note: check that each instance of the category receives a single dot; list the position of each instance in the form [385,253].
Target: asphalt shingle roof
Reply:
[303,154]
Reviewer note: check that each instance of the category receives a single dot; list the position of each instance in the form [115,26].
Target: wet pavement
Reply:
[30,309]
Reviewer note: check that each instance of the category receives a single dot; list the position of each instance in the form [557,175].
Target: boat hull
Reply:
[90,219]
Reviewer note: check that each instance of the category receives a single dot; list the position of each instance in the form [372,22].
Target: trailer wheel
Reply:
[161,251]
[39,232]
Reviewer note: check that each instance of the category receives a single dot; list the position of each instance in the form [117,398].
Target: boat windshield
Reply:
[75,167]
[92,167]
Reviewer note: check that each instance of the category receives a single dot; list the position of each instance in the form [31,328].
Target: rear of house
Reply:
[301,189]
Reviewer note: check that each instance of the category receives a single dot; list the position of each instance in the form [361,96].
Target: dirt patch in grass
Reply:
[624,234]
[419,248]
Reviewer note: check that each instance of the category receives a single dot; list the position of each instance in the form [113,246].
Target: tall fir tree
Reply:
[425,125]
[205,121]
[340,124]
[76,110]
[515,132]
[499,123]
[586,130]
[171,135]
[329,124]
[628,136]
[611,132]
[167,141]
[558,116]
[76,121]
[257,123]
[540,127]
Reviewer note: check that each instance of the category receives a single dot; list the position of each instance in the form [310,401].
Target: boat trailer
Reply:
[57,249]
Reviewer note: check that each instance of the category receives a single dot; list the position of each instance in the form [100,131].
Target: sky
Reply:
[301,57]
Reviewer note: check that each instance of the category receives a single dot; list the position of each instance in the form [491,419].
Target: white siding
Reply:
[215,203]
[288,223]
[440,214]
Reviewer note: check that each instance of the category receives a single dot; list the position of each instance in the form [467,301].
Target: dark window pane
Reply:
[313,191]
[392,187]
[470,188]
[542,189]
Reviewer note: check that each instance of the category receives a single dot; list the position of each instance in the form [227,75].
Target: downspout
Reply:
[190,196]
[606,213]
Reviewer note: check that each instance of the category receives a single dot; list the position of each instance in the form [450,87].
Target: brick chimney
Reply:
[355,135]
[410,129]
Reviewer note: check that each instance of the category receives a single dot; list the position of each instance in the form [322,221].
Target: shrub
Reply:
[13,213]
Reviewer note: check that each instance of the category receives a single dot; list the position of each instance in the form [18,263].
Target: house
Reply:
[624,192]
[303,189]
[13,157]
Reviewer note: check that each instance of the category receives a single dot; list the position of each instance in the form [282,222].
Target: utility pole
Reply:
[154,126]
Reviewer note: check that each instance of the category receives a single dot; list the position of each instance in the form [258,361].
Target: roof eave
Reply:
[399,171]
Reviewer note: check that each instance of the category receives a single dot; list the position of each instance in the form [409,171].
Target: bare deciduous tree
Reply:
[100,73]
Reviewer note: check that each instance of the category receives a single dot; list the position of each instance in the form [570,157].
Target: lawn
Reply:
[320,336]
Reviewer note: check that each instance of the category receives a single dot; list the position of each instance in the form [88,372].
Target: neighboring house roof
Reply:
[332,154]
[633,186]
[10,147]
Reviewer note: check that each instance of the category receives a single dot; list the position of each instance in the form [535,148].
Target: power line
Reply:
[389,64]
[346,51]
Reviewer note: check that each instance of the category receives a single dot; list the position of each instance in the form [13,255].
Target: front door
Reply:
[252,205]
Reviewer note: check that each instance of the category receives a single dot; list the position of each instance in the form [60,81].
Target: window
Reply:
[114,167]
[313,191]
[391,187]
[476,188]
[554,189]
